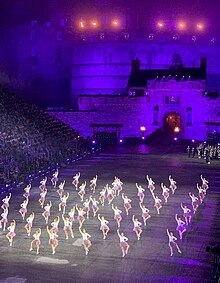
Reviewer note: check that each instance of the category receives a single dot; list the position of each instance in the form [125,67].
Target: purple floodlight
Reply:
[175,138]
[193,140]
[120,141]
[93,141]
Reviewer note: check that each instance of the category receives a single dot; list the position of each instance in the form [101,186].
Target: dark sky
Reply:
[21,11]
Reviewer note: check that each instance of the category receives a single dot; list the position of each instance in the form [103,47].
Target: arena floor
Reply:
[148,260]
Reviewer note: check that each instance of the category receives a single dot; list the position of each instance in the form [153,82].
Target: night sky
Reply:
[147,12]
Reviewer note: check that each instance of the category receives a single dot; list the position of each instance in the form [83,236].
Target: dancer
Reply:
[62,204]
[55,224]
[54,179]
[117,215]
[36,240]
[72,214]
[42,186]
[102,196]
[151,184]
[194,200]
[27,191]
[75,181]
[93,183]
[82,192]
[86,242]
[123,243]
[42,197]
[117,186]
[173,186]
[104,227]
[6,201]
[186,214]
[157,203]
[165,193]
[86,207]
[145,213]
[11,234]
[61,188]
[172,242]
[23,209]
[180,226]
[53,241]
[4,219]
[67,226]
[46,213]
[80,216]
[205,185]
[29,224]
[202,193]
[137,227]
[140,193]
[110,194]
[95,207]
[127,203]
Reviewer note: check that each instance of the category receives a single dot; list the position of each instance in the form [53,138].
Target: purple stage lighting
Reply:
[175,138]
[120,141]
[93,141]
[193,140]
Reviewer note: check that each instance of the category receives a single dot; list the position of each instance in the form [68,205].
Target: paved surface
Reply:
[148,260]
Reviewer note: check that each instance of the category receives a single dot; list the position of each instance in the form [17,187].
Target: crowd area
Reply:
[31,139]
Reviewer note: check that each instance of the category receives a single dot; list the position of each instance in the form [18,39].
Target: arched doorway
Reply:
[172,122]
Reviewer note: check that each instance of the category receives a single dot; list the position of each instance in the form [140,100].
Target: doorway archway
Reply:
[172,122]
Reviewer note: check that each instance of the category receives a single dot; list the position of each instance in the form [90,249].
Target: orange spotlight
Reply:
[160,24]
[94,23]
[200,26]
[115,22]
[81,24]
[182,25]
[176,130]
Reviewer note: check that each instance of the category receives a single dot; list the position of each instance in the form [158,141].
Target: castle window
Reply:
[155,115]
[188,116]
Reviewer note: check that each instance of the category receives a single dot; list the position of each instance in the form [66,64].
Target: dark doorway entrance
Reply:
[172,122]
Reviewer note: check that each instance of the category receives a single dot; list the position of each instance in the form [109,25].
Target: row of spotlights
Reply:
[181,26]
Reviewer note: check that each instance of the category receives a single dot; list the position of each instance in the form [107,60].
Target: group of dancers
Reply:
[94,205]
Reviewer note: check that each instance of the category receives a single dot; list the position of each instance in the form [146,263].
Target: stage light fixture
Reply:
[160,24]
[181,25]
[81,24]
[94,24]
[115,23]
[199,26]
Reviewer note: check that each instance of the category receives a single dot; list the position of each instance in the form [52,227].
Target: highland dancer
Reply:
[205,185]
[67,226]
[42,197]
[104,227]
[173,186]
[186,214]
[4,219]
[172,242]
[86,242]
[157,203]
[145,213]
[29,224]
[62,204]
[123,243]
[95,207]
[23,209]
[75,181]
[42,186]
[27,191]
[54,179]
[180,226]
[151,184]
[117,186]
[80,216]
[55,224]
[46,213]
[11,234]
[127,203]
[82,192]
[194,200]
[117,215]
[53,241]
[93,183]
[61,188]
[6,201]
[102,196]
[140,193]
[86,207]
[165,193]
[72,213]
[110,194]
[36,240]
[137,227]
[202,193]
